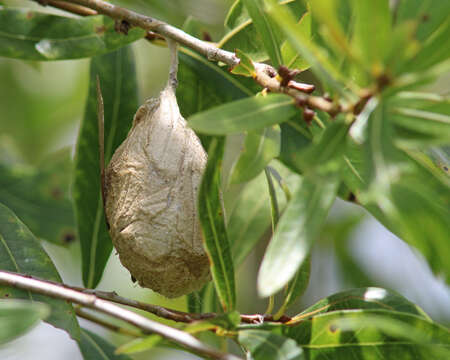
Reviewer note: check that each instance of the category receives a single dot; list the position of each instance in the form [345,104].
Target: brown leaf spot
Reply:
[68,237]
[100,29]
[30,15]
[333,328]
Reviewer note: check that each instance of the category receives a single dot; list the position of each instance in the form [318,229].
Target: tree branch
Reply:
[93,302]
[265,74]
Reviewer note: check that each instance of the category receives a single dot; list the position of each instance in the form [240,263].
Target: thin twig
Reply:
[93,302]
[265,74]
[120,330]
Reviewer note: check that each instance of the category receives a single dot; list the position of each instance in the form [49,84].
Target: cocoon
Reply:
[151,189]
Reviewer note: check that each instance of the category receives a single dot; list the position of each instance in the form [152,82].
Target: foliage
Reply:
[372,133]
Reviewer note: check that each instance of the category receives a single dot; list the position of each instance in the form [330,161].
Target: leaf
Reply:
[22,253]
[40,196]
[372,17]
[267,29]
[297,286]
[370,298]
[245,66]
[326,150]
[294,138]
[318,59]
[212,220]
[260,147]
[350,334]
[118,81]
[31,35]
[433,124]
[296,232]
[227,321]
[18,316]
[404,197]
[291,57]
[94,347]
[264,345]
[246,114]
[139,345]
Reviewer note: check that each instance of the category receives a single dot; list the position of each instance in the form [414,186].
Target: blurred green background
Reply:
[41,106]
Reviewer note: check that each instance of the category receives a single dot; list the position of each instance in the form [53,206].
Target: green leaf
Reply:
[22,253]
[139,345]
[352,334]
[427,15]
[296,232]
[372,17]
[433,124]
[118,81]
[94,347]
[40,196]
[32,35]
[259,148]
[313,54]
[17,317]
[213,226]
[326,150]
[291,57]
[227,321]
[297,286]
[404,196]
[295,137]
[370,298]
[267,29]
[245,66]
[264,345]
[246,114]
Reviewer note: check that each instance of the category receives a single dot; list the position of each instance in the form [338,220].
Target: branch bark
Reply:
[265,74]
[106,307]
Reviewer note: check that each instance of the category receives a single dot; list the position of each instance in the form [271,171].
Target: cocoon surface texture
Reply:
[152,184]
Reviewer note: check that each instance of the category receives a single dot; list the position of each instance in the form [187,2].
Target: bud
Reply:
[152,184]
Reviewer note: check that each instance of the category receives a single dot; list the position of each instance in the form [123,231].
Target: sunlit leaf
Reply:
[291,57]
[244,115]
[17,317]
[22,253]
[117,76]
[245,66]
[31,35]
[139,345]
[212,220]
[40,196]
[296,232]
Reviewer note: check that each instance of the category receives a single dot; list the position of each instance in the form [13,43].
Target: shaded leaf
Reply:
[139,345]
[118,81]
[296,232]
[264,345]
[259,148]
[267,29]
[245,66]
[22,253]
[295,137]
[350,334]
[31,35]
[246,114]
[40,196]
[212,220]
[297,286]
[94,347]
[17,317]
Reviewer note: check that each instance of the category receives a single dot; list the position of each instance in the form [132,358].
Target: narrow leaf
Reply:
[296,232]
[32,35]
[213,226]
[264,345]
[40,196]
[297,286]
[352,334]
[117,76]
[93,347]
[292,59]
[22,253]
[139,345]
[247,114]
[245,66]
[268,30]
[260,147]
[17,317]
